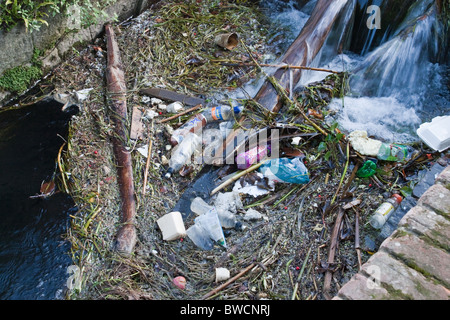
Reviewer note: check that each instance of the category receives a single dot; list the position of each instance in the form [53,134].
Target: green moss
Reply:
[18,79]
[399,233]
[397,294]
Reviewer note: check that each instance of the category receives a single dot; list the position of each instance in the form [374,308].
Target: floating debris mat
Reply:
[279,240]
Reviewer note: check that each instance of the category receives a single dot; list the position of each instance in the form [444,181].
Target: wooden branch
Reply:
[181,113]
[149,156]
[357,239]
[331,253]
[116,86]
[237,176]
[230,281]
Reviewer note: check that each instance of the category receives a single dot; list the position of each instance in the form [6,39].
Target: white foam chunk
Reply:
[172,226]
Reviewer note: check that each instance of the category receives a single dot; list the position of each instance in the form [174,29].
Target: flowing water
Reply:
[396,83]
[396,86]
[33,254]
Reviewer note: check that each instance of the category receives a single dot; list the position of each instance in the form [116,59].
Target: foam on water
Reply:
[395,87]
[385,118]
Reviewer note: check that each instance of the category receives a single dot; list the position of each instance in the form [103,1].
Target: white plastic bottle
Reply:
[183,153]
[384,211]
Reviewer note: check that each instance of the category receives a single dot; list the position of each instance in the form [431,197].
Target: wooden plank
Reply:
[165,94]
[137,127]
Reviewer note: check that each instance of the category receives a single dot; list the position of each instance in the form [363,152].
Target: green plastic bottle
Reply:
[393,152]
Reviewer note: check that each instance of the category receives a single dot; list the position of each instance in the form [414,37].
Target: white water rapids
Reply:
[394,88]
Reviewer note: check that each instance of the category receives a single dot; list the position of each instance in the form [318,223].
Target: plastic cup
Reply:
[227,40]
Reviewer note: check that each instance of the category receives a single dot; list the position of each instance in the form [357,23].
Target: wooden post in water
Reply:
[126,236]
[301,52]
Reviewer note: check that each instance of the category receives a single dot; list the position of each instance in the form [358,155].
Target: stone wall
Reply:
[17,46]
[411,264]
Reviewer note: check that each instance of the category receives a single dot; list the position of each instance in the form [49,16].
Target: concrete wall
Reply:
[17,46]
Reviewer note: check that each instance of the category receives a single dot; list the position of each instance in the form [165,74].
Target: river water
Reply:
[33,255]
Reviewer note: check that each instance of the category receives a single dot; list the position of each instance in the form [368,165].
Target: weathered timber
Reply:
[334,242]
[301,52]
[115,78]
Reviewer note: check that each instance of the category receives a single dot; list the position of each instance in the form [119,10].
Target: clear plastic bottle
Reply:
[210,222]
[227,219]
[183,153]
[192,125]
[197,122]
[385,210]
[199,206]
[394,152]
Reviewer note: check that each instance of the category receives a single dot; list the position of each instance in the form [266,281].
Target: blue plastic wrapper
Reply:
[285,170]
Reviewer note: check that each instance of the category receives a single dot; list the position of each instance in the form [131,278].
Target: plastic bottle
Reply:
[247,159]
[394,152]
[385,210]
[199,206]
[200,237]
[286,170]
[219,113]
[183,153]
[210,223]
[227,219]
[192,125]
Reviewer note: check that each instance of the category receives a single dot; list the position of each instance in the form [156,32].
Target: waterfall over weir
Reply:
[396,86]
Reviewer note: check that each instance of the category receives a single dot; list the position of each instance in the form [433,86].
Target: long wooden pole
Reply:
[116,86]
[300,53]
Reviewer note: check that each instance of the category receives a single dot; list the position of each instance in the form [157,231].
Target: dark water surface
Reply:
[33,253]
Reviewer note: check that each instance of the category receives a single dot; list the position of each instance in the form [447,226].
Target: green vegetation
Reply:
[34,13]
[19,78]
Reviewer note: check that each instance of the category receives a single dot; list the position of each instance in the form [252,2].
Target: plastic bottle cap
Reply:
[397,197]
